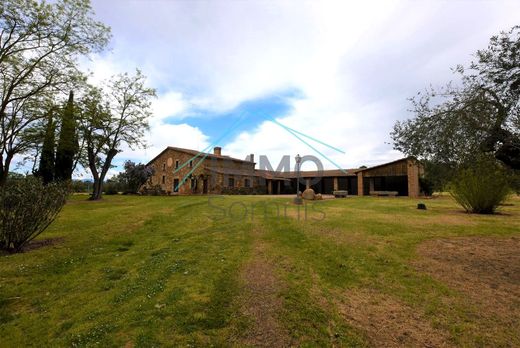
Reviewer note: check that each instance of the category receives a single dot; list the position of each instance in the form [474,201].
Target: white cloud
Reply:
[354,62]
[359,77]
[101,67]
[169,104]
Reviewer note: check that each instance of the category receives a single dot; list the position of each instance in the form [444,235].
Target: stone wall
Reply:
[172,166]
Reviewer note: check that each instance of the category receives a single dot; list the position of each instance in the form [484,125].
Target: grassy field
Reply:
[245,270]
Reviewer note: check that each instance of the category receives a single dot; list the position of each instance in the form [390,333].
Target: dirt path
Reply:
[260,301]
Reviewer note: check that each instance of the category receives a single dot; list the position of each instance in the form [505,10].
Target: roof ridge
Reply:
[202,153]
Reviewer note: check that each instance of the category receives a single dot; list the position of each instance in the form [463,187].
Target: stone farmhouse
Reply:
[185,171]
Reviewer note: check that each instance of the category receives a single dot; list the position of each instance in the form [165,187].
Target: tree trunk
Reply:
[98,180]
[4,169]
[3,177]
[96,190]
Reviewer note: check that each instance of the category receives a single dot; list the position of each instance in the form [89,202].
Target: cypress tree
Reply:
[46,170]
[67,145]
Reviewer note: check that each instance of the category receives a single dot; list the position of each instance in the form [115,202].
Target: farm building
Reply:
[400,177]
[184,171]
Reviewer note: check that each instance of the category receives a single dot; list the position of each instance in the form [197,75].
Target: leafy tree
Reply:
[112,120]
[135,175]
[39,44]
[46,169]
[437,175]
[68,143]
[481,115]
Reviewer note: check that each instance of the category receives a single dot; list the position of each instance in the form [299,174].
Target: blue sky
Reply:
[249,114]
[339,71]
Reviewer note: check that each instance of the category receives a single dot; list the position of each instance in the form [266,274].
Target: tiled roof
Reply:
[197,153]
[313,173]
[386,164]
[232,171]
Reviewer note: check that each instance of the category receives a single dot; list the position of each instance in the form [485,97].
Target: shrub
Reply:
[426,186]
[515,181]
[110,188]
[27,208]
[437,176]
[155,190]
[259,190]
[480,187]
[237,191]
[80,186]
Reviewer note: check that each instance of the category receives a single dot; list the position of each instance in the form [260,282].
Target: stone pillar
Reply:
[279,187]
[307,183]
[360,184]
[413,179]
[336,185]
[371,184]
[270,187]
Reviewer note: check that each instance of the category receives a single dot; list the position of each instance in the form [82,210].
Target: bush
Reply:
[110,188]
[426,186]
[260,190]
[437,176]
[27,208]
[80,186]
[481,187]
[155,190]
[515,181]
[237,191]
[257,190]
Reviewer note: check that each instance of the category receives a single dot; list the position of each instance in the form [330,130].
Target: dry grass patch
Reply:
[487,271]
[386,322]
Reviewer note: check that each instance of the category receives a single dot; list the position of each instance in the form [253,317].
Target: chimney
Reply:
[252,157]
[217,151]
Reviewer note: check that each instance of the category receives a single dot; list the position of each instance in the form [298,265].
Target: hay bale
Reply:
[308,194]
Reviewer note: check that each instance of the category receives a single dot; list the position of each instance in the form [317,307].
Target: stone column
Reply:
[371,184]
[307,183]
[270,187]
[413,179]
[360,184]
[336,185]
[279,187]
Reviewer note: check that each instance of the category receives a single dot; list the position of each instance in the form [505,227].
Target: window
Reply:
[175,185]
[247,183]
[191,163]
[231,182]
[163,179]
[164,166]
[193,184]
[176,164]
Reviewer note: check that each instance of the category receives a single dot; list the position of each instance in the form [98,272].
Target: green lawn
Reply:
[182,271]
